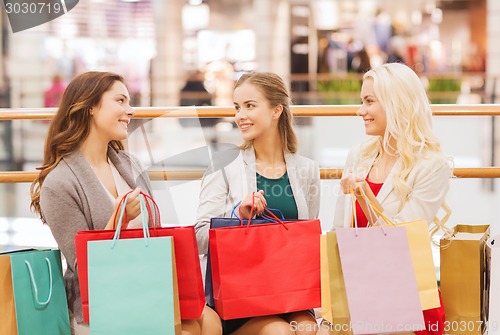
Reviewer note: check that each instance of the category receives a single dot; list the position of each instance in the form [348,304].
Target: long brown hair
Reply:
[275,91]
[71,124]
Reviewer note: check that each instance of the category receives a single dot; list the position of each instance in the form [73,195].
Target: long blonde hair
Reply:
[71,124]
[275,91]
[409,120]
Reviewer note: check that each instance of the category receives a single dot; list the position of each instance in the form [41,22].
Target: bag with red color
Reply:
[265,269]
[191,293]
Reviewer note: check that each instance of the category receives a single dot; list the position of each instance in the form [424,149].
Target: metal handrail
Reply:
[228,111]
[175,175]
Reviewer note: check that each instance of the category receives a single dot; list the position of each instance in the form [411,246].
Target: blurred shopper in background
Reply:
[53,95]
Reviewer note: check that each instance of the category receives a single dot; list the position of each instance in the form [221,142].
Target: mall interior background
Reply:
[316,45]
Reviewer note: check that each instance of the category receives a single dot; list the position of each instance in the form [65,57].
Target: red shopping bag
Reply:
[191,292]
[265,269]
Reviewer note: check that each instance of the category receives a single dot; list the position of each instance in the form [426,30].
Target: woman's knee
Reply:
[277,326]
[190,327]
[265,325]
[303,323]
[210,322]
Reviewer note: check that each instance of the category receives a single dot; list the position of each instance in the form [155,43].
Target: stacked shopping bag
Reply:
[139,280]
[378,279]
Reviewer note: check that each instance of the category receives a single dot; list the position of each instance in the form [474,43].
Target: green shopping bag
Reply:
[132,284]
[33,294]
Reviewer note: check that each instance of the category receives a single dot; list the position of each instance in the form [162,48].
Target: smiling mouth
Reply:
[245,126]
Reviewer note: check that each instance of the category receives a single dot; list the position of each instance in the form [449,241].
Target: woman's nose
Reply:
[361,111]
[130,112]
[241,115]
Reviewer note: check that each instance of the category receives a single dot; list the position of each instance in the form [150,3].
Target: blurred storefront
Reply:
[96,35]
[156,44]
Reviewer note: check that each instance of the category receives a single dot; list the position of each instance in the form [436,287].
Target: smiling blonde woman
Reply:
[401,169]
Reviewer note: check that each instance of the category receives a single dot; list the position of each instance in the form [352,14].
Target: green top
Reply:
[279,195]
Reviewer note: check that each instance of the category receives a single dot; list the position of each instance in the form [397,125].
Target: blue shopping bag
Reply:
[33,297]
[132,284]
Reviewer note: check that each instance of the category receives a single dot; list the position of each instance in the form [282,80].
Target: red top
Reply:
[360,215]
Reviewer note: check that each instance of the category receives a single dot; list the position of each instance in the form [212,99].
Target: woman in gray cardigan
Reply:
[268,171]
[86,172]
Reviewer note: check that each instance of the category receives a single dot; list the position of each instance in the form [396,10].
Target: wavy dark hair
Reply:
[71,124]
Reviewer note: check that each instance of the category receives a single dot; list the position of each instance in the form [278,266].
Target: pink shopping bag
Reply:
[380,281]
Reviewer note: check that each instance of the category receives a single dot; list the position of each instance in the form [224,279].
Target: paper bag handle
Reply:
[370,211]
[265,217]
[438,225]
[34,285]
[270,215]
[154,222]
[144,216]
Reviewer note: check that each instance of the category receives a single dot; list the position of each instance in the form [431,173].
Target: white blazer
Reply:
[429,181]
[233,176]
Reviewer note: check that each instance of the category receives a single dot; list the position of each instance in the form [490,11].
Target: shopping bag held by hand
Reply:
[420,244]
[132,284]
[379,279]
[337,311]
[251,267]
[191,296]
[233,221]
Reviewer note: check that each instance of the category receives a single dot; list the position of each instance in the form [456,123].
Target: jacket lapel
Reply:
[294,178]
[124,168]
[99,202]
[250,171]
[388,186]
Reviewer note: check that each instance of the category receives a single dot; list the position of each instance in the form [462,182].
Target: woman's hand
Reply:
[363,194]
[132,209]
[255,199]
[350,182]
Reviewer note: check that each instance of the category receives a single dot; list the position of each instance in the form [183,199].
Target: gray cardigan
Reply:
[72,198]
[232,176]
